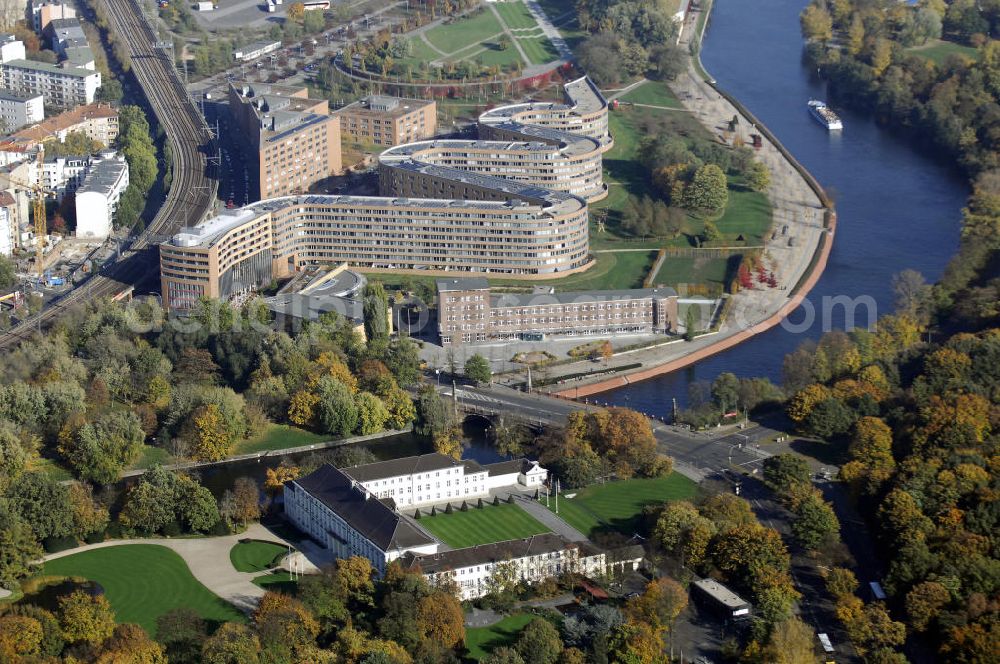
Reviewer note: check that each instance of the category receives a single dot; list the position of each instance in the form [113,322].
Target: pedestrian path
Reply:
[549,519]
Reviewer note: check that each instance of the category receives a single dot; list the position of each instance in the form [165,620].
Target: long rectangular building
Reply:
[64,87]
[469,313]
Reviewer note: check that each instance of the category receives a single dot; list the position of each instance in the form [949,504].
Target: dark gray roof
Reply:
[311,307]
[462,284]
[375,520]
[487,553]
[528,299]
[404,466]
[507,467]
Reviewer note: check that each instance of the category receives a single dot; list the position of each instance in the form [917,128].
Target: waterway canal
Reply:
[897,207]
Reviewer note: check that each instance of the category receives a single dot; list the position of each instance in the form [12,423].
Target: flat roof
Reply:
[462,284]
[720,593]
[9,95]
[35,65]
[104,174]
[582,96]
[570,297]
[404,106]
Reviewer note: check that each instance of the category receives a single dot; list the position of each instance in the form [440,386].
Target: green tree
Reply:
[539,642]
[336,411]
[403,360]
[231,644]
[43,503]
[182,632]
[708,190]
[7,273]
[784,471]
[477,368]
[372,413]
[503,655]
[376,315]
[830,418]
[18,547]
[690,324]
[101,449]
[817,24]
[711,232]
[726,391]
[85,618]
[815,523]
[758,176]
[196,508]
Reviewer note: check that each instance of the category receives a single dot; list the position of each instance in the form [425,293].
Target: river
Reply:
[897,207]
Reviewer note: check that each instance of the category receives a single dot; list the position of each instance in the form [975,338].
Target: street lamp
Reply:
[437,372]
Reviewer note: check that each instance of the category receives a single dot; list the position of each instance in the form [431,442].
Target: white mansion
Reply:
[356,512]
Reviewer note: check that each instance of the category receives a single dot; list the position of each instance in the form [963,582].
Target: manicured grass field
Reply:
[939,50]
[654,93]
[515,15]
[152,456]
[618,505]
[279,437]
[626,269]
[538,49]
[481,641]
[493,523]
[748,214]
[695,270]
[144,581]
[465,31]
[256,556]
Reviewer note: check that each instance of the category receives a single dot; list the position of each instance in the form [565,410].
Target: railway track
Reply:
[192,191]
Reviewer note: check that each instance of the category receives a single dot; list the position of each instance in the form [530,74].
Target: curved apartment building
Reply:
[490,207]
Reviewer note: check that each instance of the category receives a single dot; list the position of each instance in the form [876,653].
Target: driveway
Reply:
[208,560]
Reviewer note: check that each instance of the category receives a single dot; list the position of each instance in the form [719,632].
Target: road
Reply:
[697,455]
[194,183]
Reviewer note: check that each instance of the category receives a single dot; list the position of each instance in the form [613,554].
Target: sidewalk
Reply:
[550,519]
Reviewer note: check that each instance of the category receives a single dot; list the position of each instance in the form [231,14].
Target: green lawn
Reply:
[52,468]
[256,556]
[626,269]
[144,581]
[696,270]
[538,49]
[938,51]
[618,506]
[655,93]
[281,582]
[515,15]
[151,456]
[464,32]
[493,523]
[279,437]
[748,214]
[481,641]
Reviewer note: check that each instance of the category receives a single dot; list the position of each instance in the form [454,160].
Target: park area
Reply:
[504,35]
[617,506]
[491,523]
[142,582]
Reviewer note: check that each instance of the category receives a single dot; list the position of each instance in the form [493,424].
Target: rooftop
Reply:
[381,106]
[376,521]
[311,306]
[720,593]
[7,95]
[63,121]
[104,175]
[569,297]
[398,467]
[462,284]
[487,553]
[582,96]
[35,65]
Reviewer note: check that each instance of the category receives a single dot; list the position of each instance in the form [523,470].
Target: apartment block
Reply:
[387,121]
[98,195]
[44,11]
[294,140]
[18,110]
[468,313]
[64,87]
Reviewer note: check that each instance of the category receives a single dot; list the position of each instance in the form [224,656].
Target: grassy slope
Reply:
[618,505]
[464,32]
[938,51]
[483,526]
[144,581]
[255,556]
[278,437]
